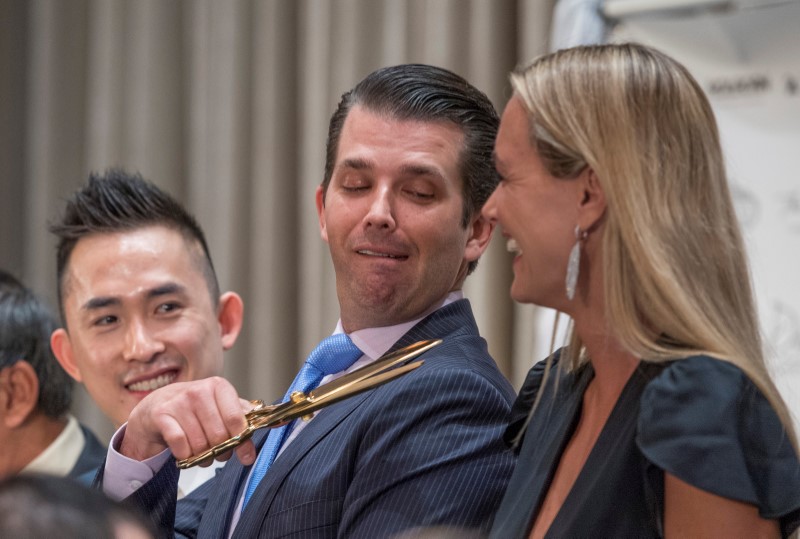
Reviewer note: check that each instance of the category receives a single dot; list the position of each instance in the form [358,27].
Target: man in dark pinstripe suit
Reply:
[408,168]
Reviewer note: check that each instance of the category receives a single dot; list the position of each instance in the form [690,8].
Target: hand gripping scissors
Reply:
[303,405]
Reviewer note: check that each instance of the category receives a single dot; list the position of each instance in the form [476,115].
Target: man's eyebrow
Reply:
[410,169]
[420,170]
[100,303]
[166,289]
[113,301]
[356,163]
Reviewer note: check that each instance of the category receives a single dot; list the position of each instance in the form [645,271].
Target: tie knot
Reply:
[335,353]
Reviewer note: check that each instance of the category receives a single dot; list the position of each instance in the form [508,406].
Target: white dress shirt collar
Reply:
[60,456]
[375,342]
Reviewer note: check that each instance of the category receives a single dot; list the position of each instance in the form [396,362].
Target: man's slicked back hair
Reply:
[118,202]
[426,93]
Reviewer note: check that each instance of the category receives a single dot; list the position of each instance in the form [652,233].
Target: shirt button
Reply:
[135,484]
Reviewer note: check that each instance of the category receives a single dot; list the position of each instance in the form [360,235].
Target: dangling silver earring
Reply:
[574,264]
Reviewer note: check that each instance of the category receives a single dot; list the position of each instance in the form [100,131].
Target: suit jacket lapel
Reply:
[456,317]
[441,323]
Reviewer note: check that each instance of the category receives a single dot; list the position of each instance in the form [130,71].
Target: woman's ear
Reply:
[592,200]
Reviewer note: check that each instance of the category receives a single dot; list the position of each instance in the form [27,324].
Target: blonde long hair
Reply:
[676,278]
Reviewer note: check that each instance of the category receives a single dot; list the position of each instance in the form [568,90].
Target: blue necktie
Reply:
[332,355]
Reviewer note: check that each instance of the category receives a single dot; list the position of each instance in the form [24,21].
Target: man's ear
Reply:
[320,198]
[230,316]
[21,393]
[62,349]
[591,200]
[478,240]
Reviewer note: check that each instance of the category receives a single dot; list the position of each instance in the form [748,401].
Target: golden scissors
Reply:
[303,405]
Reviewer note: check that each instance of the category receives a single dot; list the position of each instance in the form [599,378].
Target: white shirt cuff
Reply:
[123,476]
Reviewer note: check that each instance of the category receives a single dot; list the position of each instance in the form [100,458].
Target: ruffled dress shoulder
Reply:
[705,422]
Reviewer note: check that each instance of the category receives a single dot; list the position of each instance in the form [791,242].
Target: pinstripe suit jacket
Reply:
[423,450]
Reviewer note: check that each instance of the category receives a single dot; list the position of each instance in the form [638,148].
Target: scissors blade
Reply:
[387,361]
[299,410]
[359,386]
[342,387]
[300,405]
[350,384]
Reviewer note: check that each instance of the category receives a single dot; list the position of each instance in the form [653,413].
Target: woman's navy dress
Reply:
[700,419]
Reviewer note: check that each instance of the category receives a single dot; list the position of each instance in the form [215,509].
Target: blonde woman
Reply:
[659,417]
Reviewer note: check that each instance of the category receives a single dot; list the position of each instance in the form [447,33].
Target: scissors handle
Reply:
[302,405]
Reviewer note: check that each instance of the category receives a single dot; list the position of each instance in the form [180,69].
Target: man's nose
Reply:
[140,343]
[381,210]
